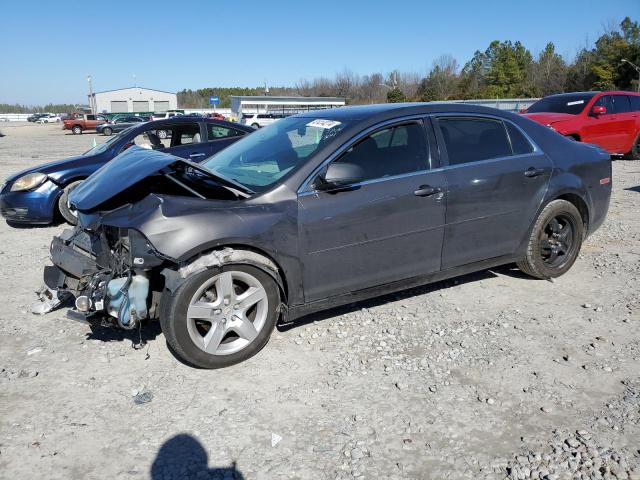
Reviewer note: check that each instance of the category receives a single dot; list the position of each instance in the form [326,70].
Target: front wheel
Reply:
[220,317]
[555,241]
[107,131]
[162,134]
[67,212]
[634,154]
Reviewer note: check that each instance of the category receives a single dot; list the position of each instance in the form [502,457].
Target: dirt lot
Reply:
[493,375]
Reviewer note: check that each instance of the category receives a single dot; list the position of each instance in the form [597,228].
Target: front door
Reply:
[385,228]
[606,130]
[496,180]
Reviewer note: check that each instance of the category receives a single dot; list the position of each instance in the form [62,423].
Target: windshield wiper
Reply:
[236,188]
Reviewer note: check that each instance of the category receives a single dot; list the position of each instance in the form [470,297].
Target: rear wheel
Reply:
[162,134]
[555,241]
[255,125]
[77,129]
[108,131]
[68,213]
[220,317]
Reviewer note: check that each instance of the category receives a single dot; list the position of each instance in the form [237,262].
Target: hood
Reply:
[124,171]
[549,118]
[51,168]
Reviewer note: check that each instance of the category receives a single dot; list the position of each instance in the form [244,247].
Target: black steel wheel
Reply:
[555,241]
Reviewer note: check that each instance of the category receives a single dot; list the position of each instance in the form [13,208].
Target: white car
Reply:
[50,118]
[259,120]
[165,115]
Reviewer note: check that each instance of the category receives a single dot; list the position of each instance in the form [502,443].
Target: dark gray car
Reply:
[318,210]
[119,124]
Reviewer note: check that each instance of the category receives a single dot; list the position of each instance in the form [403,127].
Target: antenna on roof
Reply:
[266,88]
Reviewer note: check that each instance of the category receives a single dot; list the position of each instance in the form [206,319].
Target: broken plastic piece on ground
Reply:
[49,300]
[144,397]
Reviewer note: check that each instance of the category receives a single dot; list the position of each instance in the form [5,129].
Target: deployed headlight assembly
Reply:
[28,182]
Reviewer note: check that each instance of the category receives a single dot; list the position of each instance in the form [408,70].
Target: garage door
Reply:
[160,106]
[119,106]
[139,106]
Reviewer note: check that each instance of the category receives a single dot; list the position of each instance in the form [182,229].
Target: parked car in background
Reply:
[49,118]
[259,120]
[608,119]
[118,125]
[33,118]
[40,194]
[216,116]
[165,115]
[79,123]
[322,209]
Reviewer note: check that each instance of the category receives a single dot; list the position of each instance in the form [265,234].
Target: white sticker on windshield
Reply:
[323,123]
[577,102]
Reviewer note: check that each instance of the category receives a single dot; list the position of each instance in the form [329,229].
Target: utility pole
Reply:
[637,69]
[91,100]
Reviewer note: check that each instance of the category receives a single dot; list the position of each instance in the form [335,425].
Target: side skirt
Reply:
[297,311]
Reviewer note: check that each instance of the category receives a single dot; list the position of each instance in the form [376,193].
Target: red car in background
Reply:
[608,119]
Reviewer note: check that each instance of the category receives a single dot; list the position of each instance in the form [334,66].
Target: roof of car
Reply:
[178,119]
[384,109]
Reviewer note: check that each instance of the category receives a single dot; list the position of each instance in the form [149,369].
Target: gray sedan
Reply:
[322,209]
[119,124]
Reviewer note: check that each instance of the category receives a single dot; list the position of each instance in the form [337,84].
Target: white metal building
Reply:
[286,105]
[133,99]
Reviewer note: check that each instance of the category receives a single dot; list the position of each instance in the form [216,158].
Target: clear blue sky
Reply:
[48,47]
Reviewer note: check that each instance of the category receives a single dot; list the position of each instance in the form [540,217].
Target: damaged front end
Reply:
[104,271]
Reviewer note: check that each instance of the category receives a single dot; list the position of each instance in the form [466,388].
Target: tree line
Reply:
[505,69]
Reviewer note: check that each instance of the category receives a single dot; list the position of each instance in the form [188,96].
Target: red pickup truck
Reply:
[608,119]
[79,123]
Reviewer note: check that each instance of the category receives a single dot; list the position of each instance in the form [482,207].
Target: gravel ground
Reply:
[491,375]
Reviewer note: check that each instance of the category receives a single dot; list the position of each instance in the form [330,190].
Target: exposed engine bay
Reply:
[105,271]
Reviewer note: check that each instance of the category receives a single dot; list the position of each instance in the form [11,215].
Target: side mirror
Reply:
[341,175]
[598,110]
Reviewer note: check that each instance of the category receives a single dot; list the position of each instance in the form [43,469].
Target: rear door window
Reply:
[216,132]
[474,139]
[635,103]
[389,152]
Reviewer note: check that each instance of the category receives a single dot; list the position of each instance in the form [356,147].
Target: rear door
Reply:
[626,120]
[496,179]
[385,228]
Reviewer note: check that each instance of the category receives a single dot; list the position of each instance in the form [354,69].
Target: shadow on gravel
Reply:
[138,336]
[184,457]
[634,189]
[392,297]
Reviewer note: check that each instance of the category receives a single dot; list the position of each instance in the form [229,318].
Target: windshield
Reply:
[571,104]
[106,145]
[260,159]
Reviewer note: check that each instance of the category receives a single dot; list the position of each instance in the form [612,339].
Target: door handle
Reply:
[533,172]
[196,155]
[426,191]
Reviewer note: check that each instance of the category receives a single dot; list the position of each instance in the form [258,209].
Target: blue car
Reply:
[39,195]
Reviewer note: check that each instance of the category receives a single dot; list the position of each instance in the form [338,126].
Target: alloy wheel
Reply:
[227,312]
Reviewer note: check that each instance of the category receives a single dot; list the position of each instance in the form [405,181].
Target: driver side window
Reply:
[396,150]
[604,101]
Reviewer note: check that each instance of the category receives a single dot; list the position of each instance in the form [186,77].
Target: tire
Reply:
[107,131]
[255,125]
[555,241]
[241,337]
[162,134]
[76,130]
[634,154]
[70,216]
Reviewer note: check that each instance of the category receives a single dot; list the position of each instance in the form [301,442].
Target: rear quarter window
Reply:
[519,143]
[635,103]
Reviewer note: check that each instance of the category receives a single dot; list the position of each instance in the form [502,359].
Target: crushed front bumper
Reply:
[88,267]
